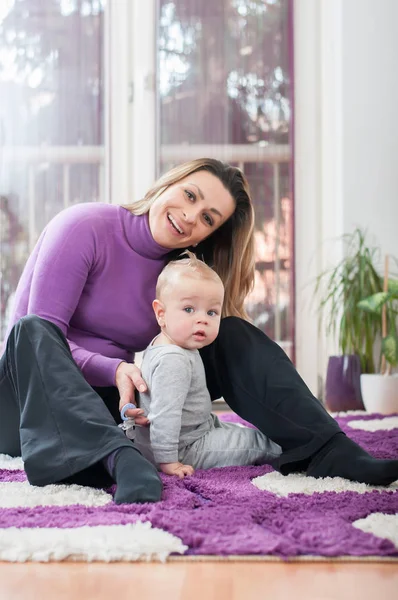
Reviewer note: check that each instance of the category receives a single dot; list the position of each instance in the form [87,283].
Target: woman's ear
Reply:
[159,311]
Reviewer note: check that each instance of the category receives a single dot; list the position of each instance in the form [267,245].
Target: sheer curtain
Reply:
[224,90]
[51,121]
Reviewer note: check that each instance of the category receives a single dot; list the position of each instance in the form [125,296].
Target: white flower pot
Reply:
[380,393]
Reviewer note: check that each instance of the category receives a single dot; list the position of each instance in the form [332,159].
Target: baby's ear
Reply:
[159,311]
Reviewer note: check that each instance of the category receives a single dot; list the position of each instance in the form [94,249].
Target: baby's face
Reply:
[193,311]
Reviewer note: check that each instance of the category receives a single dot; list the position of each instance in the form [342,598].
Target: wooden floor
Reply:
[199,581]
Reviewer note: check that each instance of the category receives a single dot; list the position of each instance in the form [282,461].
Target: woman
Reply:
[83,307]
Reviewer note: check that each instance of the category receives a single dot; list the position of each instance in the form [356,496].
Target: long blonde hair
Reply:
[230,249]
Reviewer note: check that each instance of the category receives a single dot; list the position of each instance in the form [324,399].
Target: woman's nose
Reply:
[190,216]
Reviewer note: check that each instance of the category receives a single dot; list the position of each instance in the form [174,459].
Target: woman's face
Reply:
[190,210]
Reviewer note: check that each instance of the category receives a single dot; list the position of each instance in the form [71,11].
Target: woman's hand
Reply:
[177,469]
[128,379]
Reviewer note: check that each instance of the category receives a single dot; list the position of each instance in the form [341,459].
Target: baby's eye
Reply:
[208,219]
[188,309]
[212,313]
[190,195]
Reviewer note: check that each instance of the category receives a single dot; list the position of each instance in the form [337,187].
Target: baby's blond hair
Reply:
[190,266]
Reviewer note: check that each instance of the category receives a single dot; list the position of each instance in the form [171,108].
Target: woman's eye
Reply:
[188,309]
[208,219]
[190,195]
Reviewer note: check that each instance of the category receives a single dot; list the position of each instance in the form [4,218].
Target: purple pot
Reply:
[343,386]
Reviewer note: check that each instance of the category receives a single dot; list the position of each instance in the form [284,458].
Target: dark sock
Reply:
[136,478]
[342,457]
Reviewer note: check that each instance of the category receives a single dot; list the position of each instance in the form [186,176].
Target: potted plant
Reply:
[380,390]
[338,291]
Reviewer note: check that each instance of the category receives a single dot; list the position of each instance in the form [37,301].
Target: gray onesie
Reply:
[182,427]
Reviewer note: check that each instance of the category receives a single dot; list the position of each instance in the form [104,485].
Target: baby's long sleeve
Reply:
[168,391]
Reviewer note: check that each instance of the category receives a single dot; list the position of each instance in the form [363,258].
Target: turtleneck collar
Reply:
[139,236]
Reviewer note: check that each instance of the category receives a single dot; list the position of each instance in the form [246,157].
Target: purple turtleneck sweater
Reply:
[93,273]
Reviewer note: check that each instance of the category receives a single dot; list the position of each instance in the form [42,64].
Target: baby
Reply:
[183,432]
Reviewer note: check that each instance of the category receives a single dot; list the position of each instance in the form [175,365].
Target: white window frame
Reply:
[318,171]
[130,59]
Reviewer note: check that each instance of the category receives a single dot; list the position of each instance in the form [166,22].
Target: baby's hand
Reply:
[128,378]
[177,469]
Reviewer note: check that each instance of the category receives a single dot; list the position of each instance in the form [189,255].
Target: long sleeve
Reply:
[66,256]
[170,383]
[93,273]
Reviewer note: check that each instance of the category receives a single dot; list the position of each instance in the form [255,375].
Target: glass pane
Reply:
[51,120]
[224,87]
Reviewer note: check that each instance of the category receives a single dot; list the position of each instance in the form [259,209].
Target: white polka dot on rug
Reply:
[298,483]
[346,413]
[11,463]
[21,494]
[131,542]
[385,424]
[380,525]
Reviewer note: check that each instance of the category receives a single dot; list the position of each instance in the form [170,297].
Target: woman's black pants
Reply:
[62,427]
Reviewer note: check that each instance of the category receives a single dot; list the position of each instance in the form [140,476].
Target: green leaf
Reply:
[389,348]
[374,303]
[393,287]
[343,287]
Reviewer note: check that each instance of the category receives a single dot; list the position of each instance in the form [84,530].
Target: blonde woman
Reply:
[83,308]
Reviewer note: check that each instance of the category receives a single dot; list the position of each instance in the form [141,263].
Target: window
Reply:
[224,90]
[51,121]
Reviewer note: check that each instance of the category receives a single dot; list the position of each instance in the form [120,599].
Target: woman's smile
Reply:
[175,225]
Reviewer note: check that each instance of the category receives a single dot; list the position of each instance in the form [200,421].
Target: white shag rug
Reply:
[59,522]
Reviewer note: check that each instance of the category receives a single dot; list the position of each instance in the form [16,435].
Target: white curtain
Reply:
[51,120]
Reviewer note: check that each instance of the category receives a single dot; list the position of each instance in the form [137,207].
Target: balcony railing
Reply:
[38,157]
[67,156]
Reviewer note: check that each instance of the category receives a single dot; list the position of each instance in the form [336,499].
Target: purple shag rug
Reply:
[227,511]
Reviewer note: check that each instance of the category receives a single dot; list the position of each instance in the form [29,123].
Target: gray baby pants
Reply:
[228,445]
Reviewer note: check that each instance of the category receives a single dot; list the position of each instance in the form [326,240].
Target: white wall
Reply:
[370,119]
[346,145]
